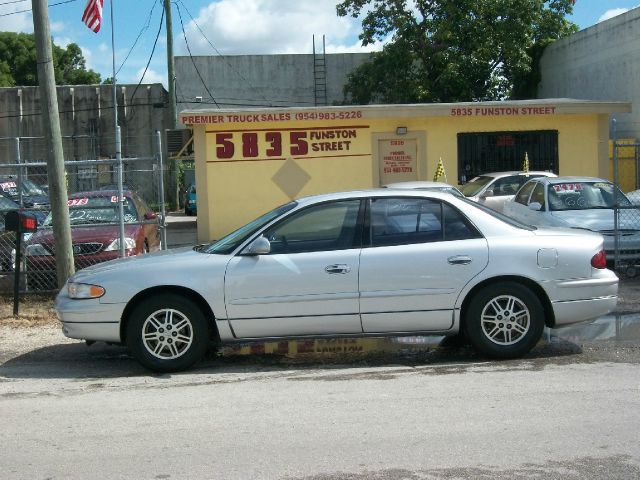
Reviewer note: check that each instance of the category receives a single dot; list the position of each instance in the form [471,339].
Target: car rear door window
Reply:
[403,221]
[506,186]
[538,195]
[524,193]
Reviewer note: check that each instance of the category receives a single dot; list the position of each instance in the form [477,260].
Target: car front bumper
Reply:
[89,319]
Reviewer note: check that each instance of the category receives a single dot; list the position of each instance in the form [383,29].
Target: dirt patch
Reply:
[33,311]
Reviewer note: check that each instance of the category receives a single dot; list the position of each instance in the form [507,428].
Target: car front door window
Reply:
[324,227]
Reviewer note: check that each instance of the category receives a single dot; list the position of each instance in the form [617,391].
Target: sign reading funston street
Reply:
[279,144]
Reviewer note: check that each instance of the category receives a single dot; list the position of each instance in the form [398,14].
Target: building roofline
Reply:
[550,106]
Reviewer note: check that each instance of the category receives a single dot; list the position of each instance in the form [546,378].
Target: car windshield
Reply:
[10,187]
[584,196]
[90,210]
[472,188]
[229,243]
[30,188]
[6,204]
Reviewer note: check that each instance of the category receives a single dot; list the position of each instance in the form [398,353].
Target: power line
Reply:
[29,9]
[191,56]
[218,51]
[13,1]
[150,56]
[142,30]
[77,110]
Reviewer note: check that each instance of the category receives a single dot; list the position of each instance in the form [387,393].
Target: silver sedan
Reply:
[581,202]
[366,263]
[497,188]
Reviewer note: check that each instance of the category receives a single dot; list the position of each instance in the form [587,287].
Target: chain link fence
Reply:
[94,212]
[626,222]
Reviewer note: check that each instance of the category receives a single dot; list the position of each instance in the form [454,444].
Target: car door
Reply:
[419,254]
[307,284]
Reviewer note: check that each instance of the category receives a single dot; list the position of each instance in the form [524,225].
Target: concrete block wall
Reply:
[601,62]
[86,112]
[259,80]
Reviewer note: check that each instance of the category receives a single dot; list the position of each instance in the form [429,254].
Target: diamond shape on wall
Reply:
[291,178]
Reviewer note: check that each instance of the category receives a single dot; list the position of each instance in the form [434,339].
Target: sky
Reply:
[216,27]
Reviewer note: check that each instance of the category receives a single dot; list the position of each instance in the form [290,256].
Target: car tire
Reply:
[504,320]
[167,333]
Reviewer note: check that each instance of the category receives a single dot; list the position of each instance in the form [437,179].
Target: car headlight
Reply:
[192,202]
[36,250]
[84,290]
[129,243]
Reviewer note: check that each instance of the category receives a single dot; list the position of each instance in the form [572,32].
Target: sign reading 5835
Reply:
[284,143]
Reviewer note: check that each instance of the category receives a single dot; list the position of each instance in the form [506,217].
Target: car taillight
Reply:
[599,260]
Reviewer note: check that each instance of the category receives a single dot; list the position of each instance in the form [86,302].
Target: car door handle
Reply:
[459,260]
[339,268]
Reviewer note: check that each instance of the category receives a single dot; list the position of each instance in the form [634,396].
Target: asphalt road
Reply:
[570,410]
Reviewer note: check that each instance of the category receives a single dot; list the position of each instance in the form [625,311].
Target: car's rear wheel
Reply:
[167,333]
[504,320]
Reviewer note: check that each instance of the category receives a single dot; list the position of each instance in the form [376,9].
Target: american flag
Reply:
[92,16]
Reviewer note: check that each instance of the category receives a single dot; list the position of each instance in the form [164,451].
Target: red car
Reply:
[95,234]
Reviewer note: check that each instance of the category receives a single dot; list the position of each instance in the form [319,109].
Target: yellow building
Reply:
[249,161]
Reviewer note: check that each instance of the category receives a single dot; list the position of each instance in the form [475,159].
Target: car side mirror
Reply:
[486,194]
[260,246]
[150,216]
[536,206]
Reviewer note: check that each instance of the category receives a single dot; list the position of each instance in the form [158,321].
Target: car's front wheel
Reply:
[504,320]
[167,333]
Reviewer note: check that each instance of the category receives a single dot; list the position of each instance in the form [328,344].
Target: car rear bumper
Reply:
[575,311]
[580,300]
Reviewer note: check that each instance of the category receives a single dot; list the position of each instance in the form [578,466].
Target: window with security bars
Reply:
[486,152]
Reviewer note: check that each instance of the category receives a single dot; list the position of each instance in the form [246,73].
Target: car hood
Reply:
[98,233]
[163,259]
[598,220]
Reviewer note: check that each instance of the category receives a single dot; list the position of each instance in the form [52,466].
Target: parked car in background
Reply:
[634,197]
[190,205]
[582,203]
[95,234]
[426,185]
[32,195]
[365,263]
[497,188]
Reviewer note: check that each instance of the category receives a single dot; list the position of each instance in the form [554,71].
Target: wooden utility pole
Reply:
[171,77]
[170,65]
[55,155]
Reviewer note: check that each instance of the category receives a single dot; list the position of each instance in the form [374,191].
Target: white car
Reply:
[584,203]
[634,197]
[426,185]
[367,263]
[497,188]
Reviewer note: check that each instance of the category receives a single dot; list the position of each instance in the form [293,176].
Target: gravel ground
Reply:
[37,325]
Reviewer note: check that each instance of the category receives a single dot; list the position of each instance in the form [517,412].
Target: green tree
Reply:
[453,50]
[18,62]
